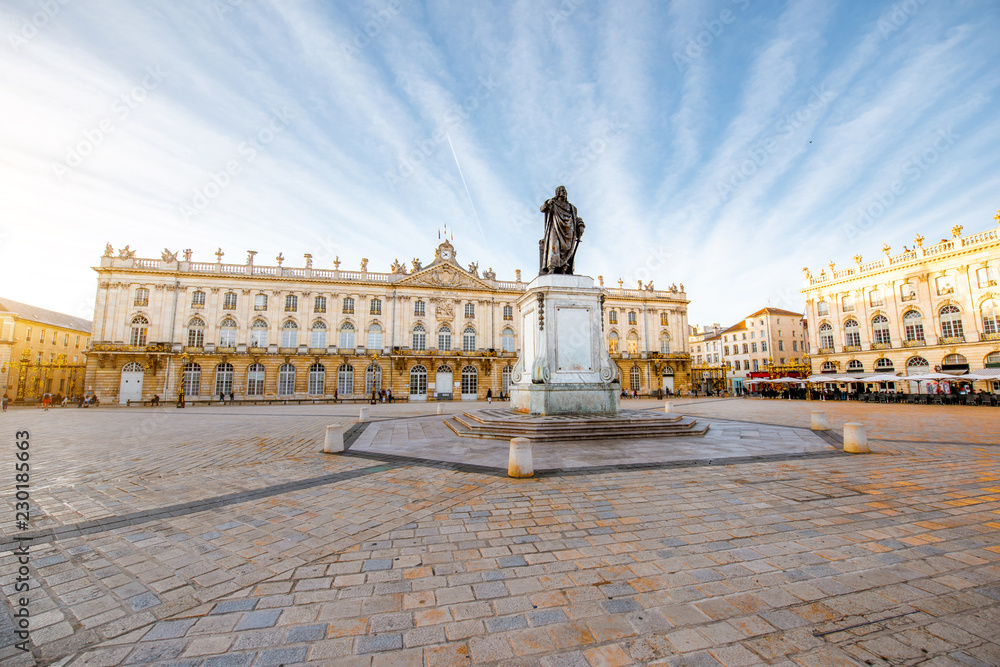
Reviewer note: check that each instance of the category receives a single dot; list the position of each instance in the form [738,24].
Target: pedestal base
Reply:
[565,399]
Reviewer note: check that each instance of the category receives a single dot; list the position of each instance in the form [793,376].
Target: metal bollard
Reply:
[855,438]
[440,409]
[334,442]
[519,464]
[667,407]
[364,415]
[819,422]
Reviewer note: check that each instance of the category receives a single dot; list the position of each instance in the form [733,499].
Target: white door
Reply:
[131,386]
[668,383]
[442,383]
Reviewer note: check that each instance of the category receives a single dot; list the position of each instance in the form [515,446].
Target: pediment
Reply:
[443,273]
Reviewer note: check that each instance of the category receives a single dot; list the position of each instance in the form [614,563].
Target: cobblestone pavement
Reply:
[223,536]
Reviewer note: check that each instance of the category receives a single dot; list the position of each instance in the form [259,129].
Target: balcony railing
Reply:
[920,342]
[989,336]
[852,348]
[881,346]
[908,297]
[951,340]
[825,350]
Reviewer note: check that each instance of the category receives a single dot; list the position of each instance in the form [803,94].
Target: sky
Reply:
[723,145]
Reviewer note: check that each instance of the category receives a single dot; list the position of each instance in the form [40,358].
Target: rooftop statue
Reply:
[563,229]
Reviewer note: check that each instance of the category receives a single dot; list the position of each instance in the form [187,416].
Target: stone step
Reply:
[484,426]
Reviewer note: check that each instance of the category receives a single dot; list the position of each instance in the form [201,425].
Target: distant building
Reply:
[766,344]
[928,308]
[707,370]
[40,351]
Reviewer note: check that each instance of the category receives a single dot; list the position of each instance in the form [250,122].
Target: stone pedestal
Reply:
[334,441]
[819,422]
[564,366]
[855,438]
[519,462]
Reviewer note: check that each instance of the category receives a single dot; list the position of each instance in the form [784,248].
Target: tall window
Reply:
[825,336]
[746,347]
[137,336]
[907,292]
[613,342]
[376,307]
[197,298]
[763,346]
[444,338]
[507,342]
[318,338]
[317,379]
[286,380]
[505,379]
[373,379]
[348,305]
[664,320]
[289,334]
[987,277]
[469,340]
[374,341]
[141,297]
[635,379]
[991,317]
[319,304]
[470,310]
[27,334]
[951,322]
[875,297]
[258,334]
[913,326]
[227,333]
[419,338]
[291,303]
[196,333]
[470,381]
[508,313]
[419,308]
[223,379]
[781,346]
[192,379]
[944,285]
[880,330]
[345,380]
[822,308]
[229,301]
[255,380]
[347,336]
[633,343]
[260,302]
[665,343]
[852,333]
[848,303]
[612,317]
[632,317]
[418,381]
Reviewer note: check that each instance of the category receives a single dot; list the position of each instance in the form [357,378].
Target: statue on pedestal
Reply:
[563,229]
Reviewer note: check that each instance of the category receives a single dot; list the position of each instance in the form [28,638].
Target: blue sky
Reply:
[723,145]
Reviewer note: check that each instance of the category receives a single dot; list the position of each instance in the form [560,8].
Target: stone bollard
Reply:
[819,422]
[519,463]
[440,409]
[334,442]
[364,415]
[667,407]
[855,438]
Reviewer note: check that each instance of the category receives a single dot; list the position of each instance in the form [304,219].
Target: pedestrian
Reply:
[388,393]
[222,397]
[64,401]
[180,399]
[232,396]
[4,401]
[46,399]
[489,395]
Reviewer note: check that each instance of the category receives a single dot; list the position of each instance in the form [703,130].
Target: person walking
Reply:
[489,395]
[4,401]
[46,399]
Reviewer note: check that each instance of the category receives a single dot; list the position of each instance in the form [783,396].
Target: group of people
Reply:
[383,396]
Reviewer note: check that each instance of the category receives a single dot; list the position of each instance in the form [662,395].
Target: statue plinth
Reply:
[564,367]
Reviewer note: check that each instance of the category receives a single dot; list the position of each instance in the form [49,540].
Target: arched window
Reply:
[951,322]
[470,381]
[418,381]
[374,341]
[345,380]
[286,380]
[825,337]
[469,340]
[133,368]
[196,332]
[444,338]
[913,326]
[347,336]
[317,379]
[852,333]
[255,380]
[880,330]
[916,366]
[955,360]
[197,298]
[665,343]
[991,317]
[633,343]
[419,338]
[373,379]
[289,334]
[227,333]
[318,338]
[613,342]
[829,367]
[505,379]
[224,379]
[884,365]
[855,366]
[192,379]
[992,360]
[258,334]
[507,341]
[137,336]
[635,379]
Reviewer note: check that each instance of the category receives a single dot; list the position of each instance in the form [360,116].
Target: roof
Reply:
[773,311]
[43,316]
[739,326]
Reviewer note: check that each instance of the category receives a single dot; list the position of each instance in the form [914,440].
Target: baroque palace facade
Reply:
[930,307]
[435,332]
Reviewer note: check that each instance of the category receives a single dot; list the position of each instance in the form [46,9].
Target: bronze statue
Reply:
[563,229]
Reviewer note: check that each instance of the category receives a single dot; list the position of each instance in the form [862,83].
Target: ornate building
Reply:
[439,331]
[769,343]
[40,351]
[927,308]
